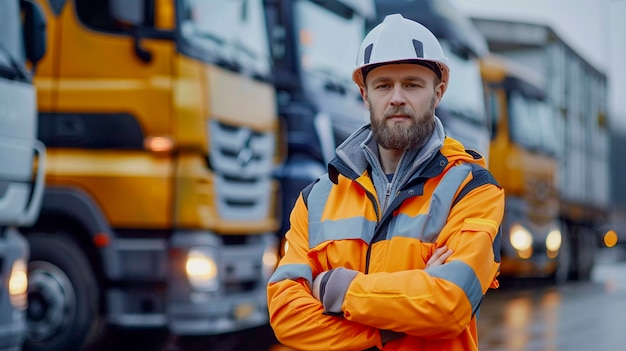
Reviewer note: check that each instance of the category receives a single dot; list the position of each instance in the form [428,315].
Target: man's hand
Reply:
[439,257]
[316,285]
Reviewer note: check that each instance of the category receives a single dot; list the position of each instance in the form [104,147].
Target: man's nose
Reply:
[397,96]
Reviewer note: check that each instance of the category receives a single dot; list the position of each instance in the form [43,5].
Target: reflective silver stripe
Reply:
[292,272]
[317,199]
[320,231]
[462,275]
[426,227]
[316,202]
[349,228]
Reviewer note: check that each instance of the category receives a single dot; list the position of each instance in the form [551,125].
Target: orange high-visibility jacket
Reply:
[338,221]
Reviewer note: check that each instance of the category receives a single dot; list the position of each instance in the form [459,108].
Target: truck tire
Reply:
[63,295]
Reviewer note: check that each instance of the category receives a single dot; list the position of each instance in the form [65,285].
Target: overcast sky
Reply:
[594,28]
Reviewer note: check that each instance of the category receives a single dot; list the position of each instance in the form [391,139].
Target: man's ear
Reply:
[363,91]
[439,89]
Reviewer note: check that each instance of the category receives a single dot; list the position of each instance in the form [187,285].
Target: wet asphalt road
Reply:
[578,316]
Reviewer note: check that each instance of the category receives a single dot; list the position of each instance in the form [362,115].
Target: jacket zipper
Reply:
[387,194]
[372,198]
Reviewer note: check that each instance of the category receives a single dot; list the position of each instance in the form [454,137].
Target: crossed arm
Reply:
[439,257]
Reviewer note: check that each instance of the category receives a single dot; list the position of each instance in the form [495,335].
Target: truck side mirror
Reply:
[132,13]
[34,26]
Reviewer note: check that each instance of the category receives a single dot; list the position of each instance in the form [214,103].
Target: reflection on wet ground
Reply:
[535,315]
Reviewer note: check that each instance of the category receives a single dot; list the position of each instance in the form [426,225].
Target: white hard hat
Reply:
[398,40]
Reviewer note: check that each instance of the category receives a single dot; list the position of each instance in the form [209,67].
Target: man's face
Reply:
[402,99]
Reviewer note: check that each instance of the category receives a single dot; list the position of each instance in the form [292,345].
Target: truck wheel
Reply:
[62,295]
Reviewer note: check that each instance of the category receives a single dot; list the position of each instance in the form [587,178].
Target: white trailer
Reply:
[577,93]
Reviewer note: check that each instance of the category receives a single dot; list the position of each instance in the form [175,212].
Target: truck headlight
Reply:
[553,240]
[18,284]
[201,268]
[520,238]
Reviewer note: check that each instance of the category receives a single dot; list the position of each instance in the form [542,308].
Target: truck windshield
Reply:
[11,50]
[231,32]
[464,96]
[328,41]
[531,123]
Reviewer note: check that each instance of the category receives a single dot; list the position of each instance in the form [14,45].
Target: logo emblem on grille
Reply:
[245,154]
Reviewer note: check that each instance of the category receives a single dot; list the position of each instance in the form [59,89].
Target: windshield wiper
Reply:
[220,59]
[251,56]
[212,37]
[331,79]
[14,71]
[234,62]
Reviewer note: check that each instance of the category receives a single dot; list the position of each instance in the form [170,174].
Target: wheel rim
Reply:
[51,300]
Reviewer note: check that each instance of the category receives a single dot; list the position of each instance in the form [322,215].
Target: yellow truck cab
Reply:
[523,158]
[159,211]
[22,159]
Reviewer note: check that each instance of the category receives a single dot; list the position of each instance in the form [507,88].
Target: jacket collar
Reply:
[360,152]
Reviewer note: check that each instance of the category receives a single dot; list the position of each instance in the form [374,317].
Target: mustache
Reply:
[399,110]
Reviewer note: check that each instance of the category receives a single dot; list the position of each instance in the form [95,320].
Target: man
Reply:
[395,247]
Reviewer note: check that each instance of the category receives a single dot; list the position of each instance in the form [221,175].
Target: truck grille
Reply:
[242,160]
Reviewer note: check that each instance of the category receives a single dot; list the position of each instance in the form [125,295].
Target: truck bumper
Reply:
[12,335]
[13,246]
[238,301]
[218,315]
[536,261]
[154,291]
[513,266]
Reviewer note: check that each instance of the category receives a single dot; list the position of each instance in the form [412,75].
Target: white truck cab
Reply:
[21,184]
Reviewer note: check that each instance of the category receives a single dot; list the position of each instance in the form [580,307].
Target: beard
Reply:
[400,137]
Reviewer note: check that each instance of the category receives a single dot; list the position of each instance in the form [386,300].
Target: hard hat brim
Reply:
[441,70]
